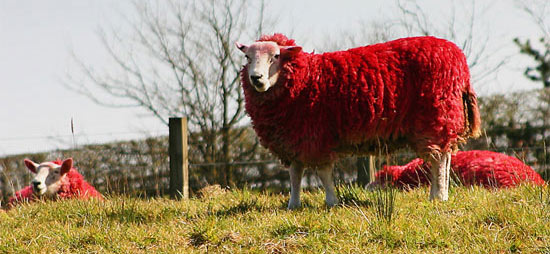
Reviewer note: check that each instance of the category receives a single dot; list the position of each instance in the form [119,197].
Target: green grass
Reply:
[474,220]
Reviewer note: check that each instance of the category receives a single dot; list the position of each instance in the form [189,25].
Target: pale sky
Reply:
[36,37]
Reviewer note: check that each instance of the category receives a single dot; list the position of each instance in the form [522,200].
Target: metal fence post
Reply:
[179,175]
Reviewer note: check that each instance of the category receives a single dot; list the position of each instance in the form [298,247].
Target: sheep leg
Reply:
[441,167]
[296,173]
[325,174]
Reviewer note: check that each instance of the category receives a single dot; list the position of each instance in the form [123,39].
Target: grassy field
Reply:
[474,220]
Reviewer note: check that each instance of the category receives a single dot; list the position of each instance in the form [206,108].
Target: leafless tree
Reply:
[539,11]
[462,25]
[179,60]
[370,32]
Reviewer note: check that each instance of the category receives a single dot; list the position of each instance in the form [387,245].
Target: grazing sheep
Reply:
[56,179]
[484,168]
[311,109]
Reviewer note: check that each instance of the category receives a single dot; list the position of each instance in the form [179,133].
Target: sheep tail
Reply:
[471,114]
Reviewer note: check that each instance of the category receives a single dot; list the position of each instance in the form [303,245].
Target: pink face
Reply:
[264,62]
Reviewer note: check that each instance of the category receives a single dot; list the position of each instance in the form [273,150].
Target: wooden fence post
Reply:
[372,168]
[179,175]
[365,170]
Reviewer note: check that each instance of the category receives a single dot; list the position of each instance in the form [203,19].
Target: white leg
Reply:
[441,167]
[447,175]
[296,173]
[325,174]
[434,185]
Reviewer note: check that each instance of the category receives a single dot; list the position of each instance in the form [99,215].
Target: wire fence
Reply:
[142,168]
[13,145]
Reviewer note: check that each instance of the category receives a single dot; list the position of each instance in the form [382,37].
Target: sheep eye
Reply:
[56,171]
[276,56]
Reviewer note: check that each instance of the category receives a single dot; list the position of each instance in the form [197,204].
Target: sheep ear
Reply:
[31,165]
[66,166]
[241,47]
[291,50]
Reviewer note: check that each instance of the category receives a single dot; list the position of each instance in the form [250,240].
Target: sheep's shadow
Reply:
[349,195]
[244,206]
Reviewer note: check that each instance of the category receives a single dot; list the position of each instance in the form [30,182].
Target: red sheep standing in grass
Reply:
[311,109]
[56,179]
[484,168]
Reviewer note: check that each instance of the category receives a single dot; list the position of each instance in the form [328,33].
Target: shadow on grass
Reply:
[287,230]
[350,195]
[128,210]
[244,206]
[199,237]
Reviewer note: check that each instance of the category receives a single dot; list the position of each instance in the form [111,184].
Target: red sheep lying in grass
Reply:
[56,179]
[311,109]
[484,168]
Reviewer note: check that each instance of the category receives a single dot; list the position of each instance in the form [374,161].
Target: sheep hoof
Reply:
[332,204]
[439,197]
[331,201]
[293,205]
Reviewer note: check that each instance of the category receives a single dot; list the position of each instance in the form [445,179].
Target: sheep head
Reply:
[264,62]
[48,176]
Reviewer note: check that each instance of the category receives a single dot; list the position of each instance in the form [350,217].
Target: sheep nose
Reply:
[256,77]
[35,184]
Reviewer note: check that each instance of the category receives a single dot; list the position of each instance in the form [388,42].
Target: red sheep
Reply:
[410,175]
[56,179]
[484,168]
[311,109]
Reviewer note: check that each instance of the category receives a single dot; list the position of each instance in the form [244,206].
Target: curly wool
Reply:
[411,91]
[492,169]
[483,168]
[411,175]
[23,195]
[280,39]
[73,186]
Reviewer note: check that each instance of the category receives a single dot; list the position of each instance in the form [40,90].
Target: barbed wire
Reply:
[397,154]
[83,135]
[235,163]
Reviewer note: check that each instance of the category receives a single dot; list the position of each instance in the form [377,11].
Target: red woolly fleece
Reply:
[411,91]
[484,168]
[74,186]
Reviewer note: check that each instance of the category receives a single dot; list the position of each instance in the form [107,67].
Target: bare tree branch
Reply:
[539,11]
[461,26]
[178,59]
